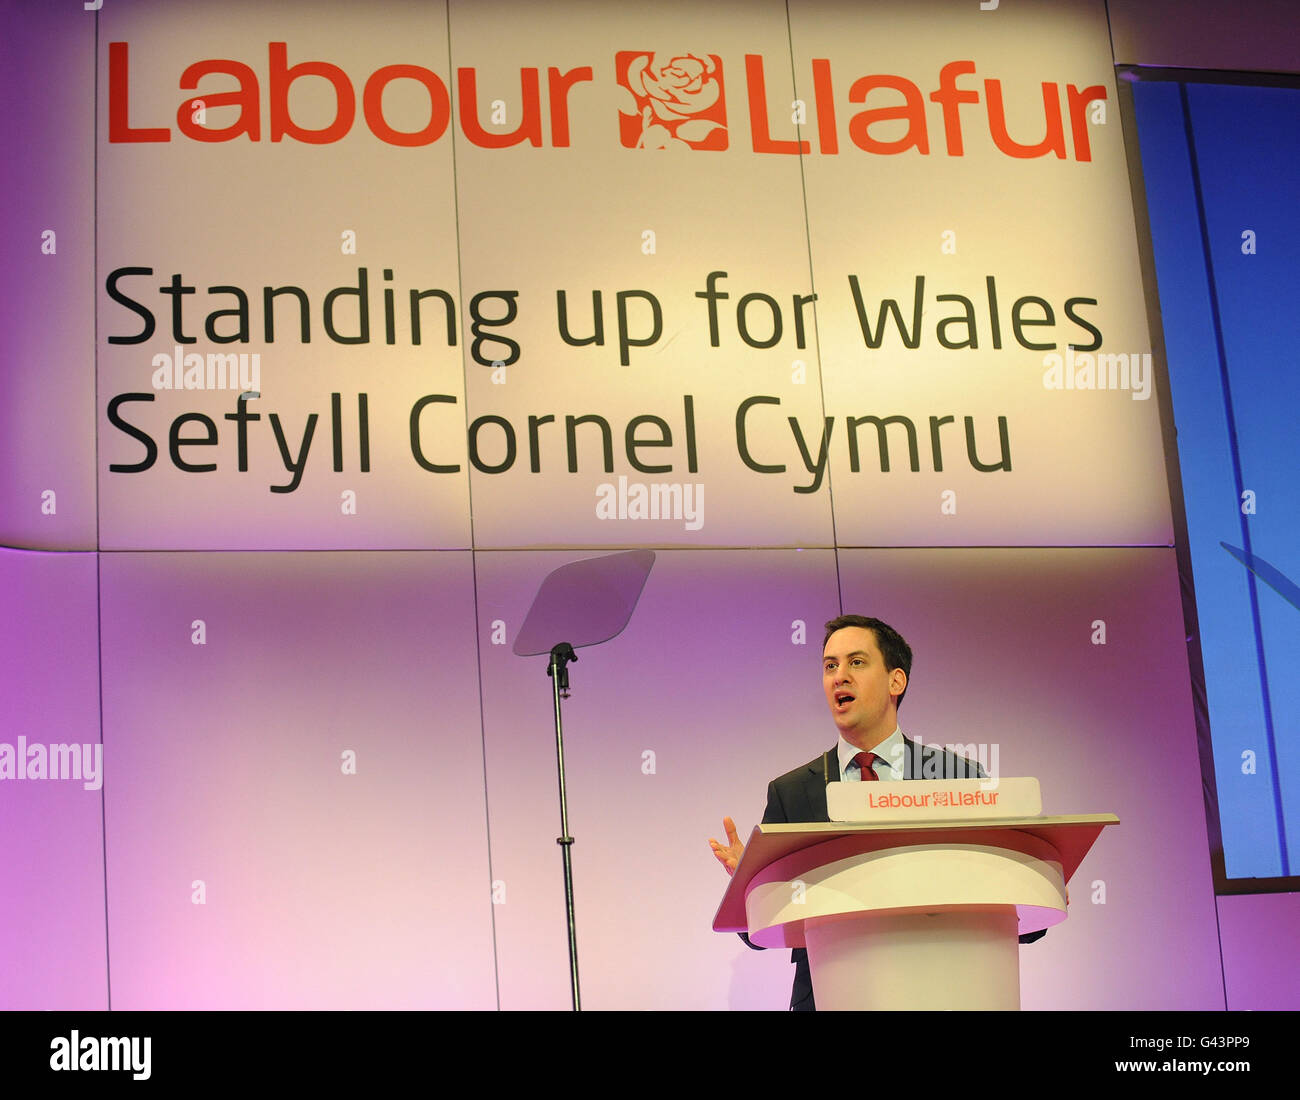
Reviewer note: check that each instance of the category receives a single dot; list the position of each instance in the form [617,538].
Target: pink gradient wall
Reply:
[47,301]
[52,858]
[324,887]
[223,764]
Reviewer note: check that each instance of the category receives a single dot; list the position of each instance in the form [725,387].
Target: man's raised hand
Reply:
[728,854]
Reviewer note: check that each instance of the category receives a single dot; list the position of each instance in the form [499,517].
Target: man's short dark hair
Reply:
[896,652]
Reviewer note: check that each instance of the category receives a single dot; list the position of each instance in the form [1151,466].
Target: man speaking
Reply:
[865,666]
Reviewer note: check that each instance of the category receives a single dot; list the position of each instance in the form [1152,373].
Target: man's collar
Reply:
[890,750]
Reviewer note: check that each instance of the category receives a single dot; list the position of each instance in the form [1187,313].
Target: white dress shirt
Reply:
[888,764]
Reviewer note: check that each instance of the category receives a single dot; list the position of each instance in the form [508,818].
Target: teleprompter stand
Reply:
[587,602]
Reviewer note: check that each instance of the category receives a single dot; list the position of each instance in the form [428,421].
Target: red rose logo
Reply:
[674,105]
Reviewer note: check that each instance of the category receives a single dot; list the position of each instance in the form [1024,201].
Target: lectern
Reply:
[918,907]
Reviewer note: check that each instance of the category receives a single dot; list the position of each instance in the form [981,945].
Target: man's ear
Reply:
[897,682]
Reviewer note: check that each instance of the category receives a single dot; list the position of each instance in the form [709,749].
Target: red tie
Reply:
[864,760]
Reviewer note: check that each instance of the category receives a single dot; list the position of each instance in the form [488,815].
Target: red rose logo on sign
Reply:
[674,105]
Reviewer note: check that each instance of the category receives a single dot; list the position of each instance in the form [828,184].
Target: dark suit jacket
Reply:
[800,795]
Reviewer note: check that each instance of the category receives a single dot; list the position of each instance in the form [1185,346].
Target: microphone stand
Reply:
[557,669]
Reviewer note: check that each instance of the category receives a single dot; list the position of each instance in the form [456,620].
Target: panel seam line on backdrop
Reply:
[452,95]
[99,583]
[812,287]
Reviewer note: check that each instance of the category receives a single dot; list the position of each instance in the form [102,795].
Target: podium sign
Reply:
[934,800]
